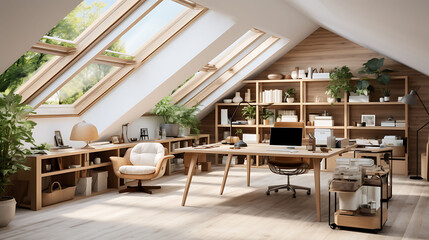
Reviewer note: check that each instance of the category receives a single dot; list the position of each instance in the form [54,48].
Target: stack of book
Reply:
[272,96]
[400,123]
[388,123]
[323,121]
[288,115]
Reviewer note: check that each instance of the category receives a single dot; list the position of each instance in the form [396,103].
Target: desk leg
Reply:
[225,174]
[316,166]
[194,158]
[249,165]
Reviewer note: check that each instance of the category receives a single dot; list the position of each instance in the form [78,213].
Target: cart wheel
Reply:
[276,190]
[294,195]
[308,192]
[268,193]
[333,226]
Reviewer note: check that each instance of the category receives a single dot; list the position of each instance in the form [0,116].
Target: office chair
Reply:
[289,166]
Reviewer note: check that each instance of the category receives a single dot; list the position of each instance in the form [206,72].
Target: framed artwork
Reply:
[369,119]
[58,139]
[116,139]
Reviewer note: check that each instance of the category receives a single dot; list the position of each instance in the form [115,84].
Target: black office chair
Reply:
[288,166]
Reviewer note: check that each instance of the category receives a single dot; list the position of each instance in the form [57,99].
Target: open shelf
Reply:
[69,170]
[238,126]
[376,128]
[375,103]
[332,127]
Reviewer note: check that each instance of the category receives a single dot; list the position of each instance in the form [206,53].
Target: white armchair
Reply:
[145,161]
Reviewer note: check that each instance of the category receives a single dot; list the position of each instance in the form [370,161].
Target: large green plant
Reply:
[167,110]
[16,130]
[340,82]
[373,66]
[187,117]
[249,112]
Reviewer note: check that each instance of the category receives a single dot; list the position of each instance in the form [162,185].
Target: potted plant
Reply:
[249,112]
[290,95]
[339,84]
[188,121]
[362,90]
[168,111]
[265,115]
[386,94]
[16,130]
[373,66]
[239,133]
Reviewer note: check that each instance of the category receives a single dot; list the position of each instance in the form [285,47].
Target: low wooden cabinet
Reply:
[68,166]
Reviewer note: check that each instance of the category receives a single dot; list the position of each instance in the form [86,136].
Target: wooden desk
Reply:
[259,150]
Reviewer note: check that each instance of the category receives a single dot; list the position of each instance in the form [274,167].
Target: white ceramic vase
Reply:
[387,99]
[7,210]
[381,99]
[290,100]
[251,121]
[294,74]
[331,100]
[237,98]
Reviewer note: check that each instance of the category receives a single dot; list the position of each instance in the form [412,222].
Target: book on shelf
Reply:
[388,123]
[323,118]
[286,112]
[272,96]
[289,118]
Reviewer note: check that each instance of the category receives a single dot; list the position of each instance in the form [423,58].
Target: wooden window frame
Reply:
[128,66]
[227,75]
[226,57]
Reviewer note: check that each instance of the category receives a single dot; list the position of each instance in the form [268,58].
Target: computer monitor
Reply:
[285,136]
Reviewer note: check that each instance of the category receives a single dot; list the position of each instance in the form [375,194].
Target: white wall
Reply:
[44,130]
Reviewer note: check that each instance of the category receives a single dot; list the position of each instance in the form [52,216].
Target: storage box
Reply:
[358,98]
[398,151]
[99,182]
[323,123]
[350,185]
[84,186]
[350,200]
[55,195]
[320,75]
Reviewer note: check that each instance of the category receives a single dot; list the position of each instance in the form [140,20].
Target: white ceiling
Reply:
[24,22]
[397,29]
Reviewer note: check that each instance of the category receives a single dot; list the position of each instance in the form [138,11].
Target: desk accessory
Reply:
[84,131]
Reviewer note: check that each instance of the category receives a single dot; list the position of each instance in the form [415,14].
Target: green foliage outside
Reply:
[16,129]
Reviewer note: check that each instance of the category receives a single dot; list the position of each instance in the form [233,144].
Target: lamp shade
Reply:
[410,98]
[84,131]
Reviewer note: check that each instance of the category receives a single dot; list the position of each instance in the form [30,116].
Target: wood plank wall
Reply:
[326,49]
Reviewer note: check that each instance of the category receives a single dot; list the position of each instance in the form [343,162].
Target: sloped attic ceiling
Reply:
[394,28]
[18,28]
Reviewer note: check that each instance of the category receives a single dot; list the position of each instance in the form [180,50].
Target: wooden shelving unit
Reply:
[344,113]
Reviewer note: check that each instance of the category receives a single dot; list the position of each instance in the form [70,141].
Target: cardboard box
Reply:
[99,182]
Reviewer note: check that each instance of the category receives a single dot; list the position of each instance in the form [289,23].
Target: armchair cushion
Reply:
[147,154]
[137,170]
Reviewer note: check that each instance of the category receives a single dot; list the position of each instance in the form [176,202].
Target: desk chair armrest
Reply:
[117,162]
[160,166]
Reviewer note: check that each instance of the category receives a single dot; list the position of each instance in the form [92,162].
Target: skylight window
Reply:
[76,22]
[145,29]
[22,70]
[81,83]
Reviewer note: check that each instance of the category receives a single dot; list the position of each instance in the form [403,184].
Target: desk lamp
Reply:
[84,131]
[240,143]
[411,99]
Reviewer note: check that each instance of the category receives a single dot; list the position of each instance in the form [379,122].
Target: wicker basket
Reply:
[52,196]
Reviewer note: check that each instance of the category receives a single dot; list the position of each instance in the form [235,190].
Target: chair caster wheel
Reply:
[333,226]
[268,193]
[294,195]
[276,190]
[308,192]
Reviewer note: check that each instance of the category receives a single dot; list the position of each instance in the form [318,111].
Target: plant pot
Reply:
[7,210]
[184,131]
[331,100]
[387,99]
[171,130]
[338,99]
[251,121]
[237,98]
[266,122]
[290,100]
[381,99]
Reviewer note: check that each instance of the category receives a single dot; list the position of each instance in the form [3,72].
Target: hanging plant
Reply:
[373,66]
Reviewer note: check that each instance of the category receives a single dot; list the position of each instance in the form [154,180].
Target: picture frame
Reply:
[116,139]
[369,119]
[58,139]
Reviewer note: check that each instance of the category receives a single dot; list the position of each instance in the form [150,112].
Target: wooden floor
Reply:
[241,213]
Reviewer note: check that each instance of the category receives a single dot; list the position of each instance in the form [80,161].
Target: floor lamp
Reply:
[411,99]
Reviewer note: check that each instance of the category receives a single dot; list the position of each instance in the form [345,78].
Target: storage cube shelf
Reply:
[344,113]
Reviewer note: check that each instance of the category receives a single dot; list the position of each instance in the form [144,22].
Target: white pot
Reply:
[7,210]
[387,99]
[331,100]
[290,100]
[381,99]
[251,121]
[237,98]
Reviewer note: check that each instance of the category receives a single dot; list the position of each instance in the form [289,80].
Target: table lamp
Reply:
[84,131]
[411,99]
[240,143]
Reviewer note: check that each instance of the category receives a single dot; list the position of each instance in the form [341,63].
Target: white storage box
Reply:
[323,123]
[321,134]
[358,98]
[320,75]
[350,201]
[83,187]
[99,182]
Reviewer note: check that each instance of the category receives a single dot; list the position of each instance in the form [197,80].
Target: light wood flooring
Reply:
[241,213]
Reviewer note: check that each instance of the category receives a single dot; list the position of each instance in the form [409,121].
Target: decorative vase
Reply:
[251,121]
[290,100]
[387,99]
[330,99]
[294,75]
[7,210]
[247,96]
[266,122]
[381,99]
[237,98]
